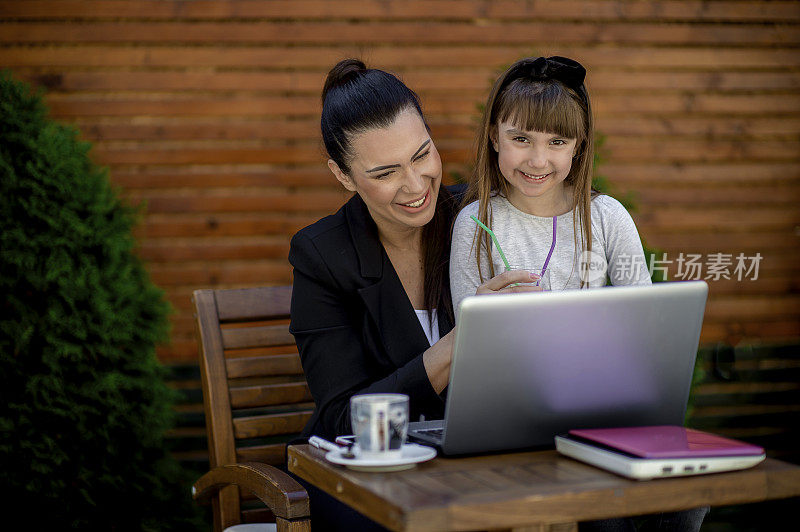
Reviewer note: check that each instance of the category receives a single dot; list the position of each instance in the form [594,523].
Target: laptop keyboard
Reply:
[432,432]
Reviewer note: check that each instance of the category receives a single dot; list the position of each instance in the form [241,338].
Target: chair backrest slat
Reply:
[245,337]
[270,425]
[262,453]
[268,395]
[254,304]
[264,365]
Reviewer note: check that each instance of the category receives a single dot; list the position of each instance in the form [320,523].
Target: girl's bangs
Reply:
[546,107]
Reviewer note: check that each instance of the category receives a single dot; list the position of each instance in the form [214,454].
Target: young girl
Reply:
[532,187]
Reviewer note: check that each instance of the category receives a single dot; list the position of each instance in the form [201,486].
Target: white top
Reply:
[526,240]
[432,333]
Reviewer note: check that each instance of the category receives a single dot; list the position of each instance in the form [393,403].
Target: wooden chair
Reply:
[255,398]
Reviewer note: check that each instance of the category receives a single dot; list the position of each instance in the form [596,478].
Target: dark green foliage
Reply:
[83,403]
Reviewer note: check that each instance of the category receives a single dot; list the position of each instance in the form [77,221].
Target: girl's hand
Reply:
[508,282]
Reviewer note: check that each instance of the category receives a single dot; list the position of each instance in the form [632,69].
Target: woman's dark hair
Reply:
[356,99]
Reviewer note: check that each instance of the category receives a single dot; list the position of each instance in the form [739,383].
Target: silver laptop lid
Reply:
[529,366]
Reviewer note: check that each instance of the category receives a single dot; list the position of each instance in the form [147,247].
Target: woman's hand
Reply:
[508,283]
[437,361]
[437,358]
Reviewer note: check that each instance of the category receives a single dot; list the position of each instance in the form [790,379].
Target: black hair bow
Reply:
[569,72]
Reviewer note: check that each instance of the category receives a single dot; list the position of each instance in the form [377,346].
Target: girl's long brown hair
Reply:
[532,105]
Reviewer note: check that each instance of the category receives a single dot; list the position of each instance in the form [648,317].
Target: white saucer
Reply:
[412,455]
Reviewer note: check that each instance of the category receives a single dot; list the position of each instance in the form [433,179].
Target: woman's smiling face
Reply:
[397,172]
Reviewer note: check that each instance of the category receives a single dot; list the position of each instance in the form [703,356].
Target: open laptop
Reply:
[527,367]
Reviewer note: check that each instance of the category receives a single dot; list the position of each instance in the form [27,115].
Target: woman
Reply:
[371,309]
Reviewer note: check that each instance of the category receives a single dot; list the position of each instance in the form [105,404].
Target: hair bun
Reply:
[343,72]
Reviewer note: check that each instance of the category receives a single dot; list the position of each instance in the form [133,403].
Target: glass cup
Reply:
[544,280]
[380,424]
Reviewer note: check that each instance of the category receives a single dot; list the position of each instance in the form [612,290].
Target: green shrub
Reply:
[83,403]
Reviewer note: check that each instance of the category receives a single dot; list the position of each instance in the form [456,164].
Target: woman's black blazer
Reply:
[354,325]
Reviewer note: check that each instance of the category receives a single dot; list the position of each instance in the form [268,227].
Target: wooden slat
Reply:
[717,174]
[257,337]
[254,152]
[624,150]
[763,307]
[221,224]
[64,106]
[266,365]
[259,202]
[336,33]
[717,127]
[216,176]
[719,218]
[250,129]
[747,328]
[777,245]
[256,201]
[254,304]
[673,218]
[269,454]
[421,81]
[666,149]
[441,127]
[394,10]
[224,249]
[266,395]
[742,195]
[264,155]
[776,286]
[735,330]
[270,425]
[624,173]
[686,56]
[227,248]
[222,273]
[275,106]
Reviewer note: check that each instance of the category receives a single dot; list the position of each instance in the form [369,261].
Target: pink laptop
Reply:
[658,451]
[667,441]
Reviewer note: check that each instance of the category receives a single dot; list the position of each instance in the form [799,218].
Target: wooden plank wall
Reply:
[208,111]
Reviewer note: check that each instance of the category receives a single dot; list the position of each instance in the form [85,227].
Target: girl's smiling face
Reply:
[535,164]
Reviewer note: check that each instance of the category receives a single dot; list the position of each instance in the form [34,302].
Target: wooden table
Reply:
[541,491]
